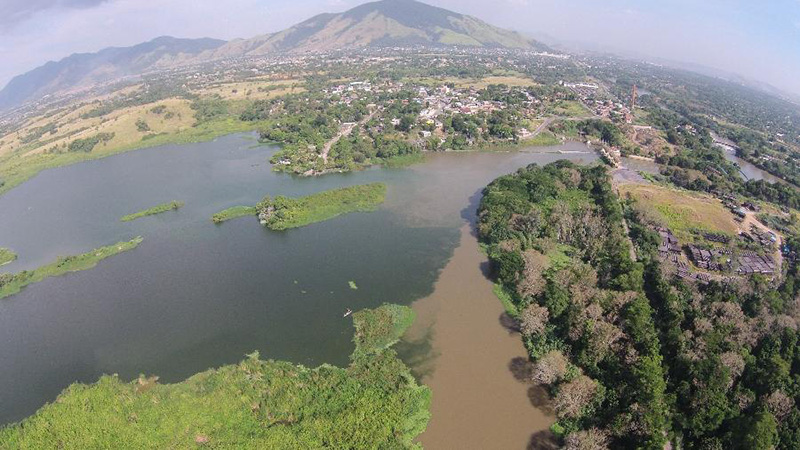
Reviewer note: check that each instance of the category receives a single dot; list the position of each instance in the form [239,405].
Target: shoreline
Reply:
[467,355]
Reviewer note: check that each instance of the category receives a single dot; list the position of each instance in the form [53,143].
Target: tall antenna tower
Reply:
[634,93]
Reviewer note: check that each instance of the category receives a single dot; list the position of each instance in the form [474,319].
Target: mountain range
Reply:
[382,23]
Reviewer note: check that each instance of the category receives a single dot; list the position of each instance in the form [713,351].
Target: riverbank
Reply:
[467,357]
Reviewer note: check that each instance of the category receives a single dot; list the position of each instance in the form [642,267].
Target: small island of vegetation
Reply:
[11,284]
[282,213]
[164,207]
[233,213]
[373,403]
[6,256]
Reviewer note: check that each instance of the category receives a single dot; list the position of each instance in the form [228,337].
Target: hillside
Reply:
[86,69]
[382,23]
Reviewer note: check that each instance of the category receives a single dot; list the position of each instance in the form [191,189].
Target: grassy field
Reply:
[681,211]
[543,139]
[171,206]
[569,108]
[6,256]
[233,213]
[293,213]
[11,284]
[373,403]
[254,89]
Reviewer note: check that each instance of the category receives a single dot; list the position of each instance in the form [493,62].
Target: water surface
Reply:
[195,295]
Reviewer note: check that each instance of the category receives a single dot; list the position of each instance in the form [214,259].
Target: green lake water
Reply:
[195,295]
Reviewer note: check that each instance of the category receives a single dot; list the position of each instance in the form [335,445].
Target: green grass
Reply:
[569,108]
[506,300]
[353,285]
[171,206]
[559,256]
[543,139]
[681,211]
[233,213]
[374,403]
[11,284]
[6,256]
[378,329]
[292,213]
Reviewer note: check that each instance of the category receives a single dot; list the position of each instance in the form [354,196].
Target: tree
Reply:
[550,368]
[758,432]
[533,319]
[574,396]
[591,439]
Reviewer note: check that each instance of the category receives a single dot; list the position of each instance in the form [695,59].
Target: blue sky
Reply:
[757,39]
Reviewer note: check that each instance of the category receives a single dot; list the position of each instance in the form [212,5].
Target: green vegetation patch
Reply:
[86,145]
[569,108]
[543,139]
[11,284]
[681,211]
[171,206]
[379,329]
[234,213]
[282,213]
[373,403]
[6,256]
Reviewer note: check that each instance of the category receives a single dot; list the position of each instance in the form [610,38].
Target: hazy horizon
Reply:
[759,42]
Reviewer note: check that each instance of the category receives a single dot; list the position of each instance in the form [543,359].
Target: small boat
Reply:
[348,312]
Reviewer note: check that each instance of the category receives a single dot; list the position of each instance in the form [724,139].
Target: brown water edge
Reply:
[467,352]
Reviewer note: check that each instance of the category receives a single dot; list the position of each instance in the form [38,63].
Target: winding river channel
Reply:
[195,295]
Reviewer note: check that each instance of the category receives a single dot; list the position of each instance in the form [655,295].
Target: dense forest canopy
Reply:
[633,357]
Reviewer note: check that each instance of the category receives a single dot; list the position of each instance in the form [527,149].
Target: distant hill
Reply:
[382,23]
[86,69]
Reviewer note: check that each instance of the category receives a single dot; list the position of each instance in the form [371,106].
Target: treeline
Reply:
[150,92]
[88,144]
[557,245]
[699,165]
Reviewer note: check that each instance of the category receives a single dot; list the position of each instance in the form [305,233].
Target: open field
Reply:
[543,139]
[254,90]
[569,108]
[10,284]
[681,211]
